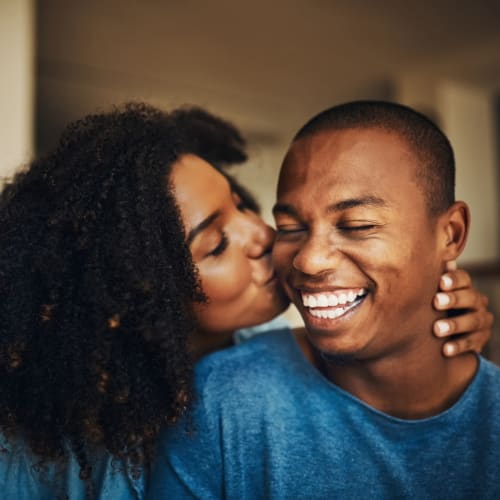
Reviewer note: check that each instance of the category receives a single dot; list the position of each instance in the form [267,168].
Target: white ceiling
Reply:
[266,64]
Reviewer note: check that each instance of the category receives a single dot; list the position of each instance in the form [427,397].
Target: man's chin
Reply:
[337,358]
[335,350]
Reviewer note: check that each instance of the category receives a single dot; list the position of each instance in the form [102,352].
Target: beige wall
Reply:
[16,83]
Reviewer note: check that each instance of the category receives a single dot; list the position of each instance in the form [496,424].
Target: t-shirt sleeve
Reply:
[188,463]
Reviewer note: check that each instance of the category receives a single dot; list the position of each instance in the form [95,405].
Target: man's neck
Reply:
[412,384]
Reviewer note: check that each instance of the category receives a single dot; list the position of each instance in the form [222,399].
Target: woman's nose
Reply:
[260,237]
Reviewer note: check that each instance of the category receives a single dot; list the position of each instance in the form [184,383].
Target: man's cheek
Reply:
[282,260]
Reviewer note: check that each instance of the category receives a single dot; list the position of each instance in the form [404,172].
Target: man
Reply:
[364,406]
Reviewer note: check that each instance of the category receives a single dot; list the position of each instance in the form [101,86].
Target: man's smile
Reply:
[331,298]
[332,304]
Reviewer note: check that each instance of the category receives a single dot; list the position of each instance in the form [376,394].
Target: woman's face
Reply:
[231,247]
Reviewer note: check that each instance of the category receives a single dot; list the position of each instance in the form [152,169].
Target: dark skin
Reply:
[461,299]
[354,229]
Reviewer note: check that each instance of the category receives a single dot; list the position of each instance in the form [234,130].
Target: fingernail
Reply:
[443,299]
[450,349]
[446,281]
[442,327]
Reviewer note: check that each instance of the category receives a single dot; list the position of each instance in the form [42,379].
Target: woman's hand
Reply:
[473,321]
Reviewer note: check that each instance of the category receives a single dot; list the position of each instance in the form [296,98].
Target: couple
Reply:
[125,254]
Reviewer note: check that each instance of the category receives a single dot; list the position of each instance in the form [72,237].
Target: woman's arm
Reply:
[469,317]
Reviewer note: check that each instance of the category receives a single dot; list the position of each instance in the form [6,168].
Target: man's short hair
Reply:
[436,171]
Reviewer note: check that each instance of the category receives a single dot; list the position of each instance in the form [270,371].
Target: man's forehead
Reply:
[330,140]
[325,152]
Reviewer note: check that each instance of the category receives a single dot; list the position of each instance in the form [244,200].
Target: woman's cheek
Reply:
[226,278]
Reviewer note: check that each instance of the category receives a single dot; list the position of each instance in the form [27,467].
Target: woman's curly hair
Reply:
[96,284]
[215,140]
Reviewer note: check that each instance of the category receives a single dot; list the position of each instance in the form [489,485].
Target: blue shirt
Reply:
[21,477]
[269,425]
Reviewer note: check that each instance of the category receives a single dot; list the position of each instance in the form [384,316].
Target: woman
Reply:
[114,253]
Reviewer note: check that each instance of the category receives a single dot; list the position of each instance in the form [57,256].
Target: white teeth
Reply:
[329,313]
[332,300]
[322,301]
[336,313]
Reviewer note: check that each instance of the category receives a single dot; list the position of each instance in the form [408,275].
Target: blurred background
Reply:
[267,66]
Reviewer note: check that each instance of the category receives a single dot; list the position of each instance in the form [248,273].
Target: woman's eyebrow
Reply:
[202,226]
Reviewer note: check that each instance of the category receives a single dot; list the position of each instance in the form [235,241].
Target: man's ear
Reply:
[455,229]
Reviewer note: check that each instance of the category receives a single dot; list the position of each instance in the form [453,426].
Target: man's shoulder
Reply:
[254,351]
[486,387]
[490,370]
[264,356]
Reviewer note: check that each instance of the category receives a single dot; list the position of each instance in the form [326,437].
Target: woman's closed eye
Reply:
[221,246]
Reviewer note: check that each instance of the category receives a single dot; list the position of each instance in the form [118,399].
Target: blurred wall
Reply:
[16,83]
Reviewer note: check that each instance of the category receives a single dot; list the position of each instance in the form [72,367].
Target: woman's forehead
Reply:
[199,189]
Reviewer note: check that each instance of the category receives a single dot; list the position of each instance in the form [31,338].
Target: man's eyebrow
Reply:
[281,208]
[201,226]
[372,201]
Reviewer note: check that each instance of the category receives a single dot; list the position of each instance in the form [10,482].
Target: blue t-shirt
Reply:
[22,478]
[269,425]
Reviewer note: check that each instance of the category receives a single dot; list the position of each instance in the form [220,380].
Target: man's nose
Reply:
[316,255]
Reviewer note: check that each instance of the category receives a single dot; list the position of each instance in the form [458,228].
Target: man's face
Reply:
[356,248]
